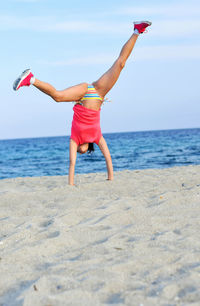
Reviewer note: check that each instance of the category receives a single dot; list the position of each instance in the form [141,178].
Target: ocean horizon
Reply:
[49,156]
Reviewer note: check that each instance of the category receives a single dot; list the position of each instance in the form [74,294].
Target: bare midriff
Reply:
[91,99]
[92,104]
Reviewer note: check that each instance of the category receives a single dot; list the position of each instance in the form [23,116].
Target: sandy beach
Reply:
[132,241]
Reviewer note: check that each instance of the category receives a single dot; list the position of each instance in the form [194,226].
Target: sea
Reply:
[49,156]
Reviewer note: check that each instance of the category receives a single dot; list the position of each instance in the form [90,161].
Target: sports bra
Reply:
[91,94]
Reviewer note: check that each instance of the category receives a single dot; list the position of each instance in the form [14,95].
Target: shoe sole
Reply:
[18,81]
[138,22]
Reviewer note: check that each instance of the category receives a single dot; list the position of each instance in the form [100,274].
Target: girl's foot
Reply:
[24,79]
[140,26]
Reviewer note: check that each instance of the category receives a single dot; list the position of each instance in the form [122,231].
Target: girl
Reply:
[88,97]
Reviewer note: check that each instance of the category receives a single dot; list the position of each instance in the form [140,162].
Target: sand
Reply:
[132,241]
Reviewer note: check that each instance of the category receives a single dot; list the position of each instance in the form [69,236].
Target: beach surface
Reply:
[131,241]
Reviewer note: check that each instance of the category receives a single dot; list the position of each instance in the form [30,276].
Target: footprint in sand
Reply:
[47,223]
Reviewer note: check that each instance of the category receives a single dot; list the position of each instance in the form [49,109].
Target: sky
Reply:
[69,42]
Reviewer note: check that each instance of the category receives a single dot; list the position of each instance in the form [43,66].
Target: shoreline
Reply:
[100,174]
[134,239]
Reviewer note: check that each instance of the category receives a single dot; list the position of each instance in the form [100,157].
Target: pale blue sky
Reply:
[69,42]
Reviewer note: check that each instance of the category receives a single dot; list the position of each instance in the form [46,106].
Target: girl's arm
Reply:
[72,157]
[106,153]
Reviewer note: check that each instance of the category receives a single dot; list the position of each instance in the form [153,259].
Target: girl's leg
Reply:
[74,93]
[108,79]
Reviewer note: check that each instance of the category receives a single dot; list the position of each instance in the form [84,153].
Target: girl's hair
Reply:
[90,148]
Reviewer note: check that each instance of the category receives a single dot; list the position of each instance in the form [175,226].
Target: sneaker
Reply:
[141,26]
[23,79]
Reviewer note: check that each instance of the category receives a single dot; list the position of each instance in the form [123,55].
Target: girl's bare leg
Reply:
[74,93]
[108,79]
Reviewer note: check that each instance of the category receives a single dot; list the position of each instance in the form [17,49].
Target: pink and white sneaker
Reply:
[23,80]
[141,26]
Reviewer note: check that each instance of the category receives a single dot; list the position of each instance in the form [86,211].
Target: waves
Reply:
[132,150]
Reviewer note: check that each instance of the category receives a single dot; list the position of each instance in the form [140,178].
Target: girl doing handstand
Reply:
[88,97]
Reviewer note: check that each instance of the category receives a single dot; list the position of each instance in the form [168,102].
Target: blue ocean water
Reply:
[133,150]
